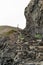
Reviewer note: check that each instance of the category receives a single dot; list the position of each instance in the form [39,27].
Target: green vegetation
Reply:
[21,36]
[38,36]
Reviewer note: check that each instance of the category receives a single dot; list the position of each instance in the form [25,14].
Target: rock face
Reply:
[16,50]
[24,47]
[34,17]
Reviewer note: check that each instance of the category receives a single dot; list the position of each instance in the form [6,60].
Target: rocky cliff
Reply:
[34,17]
[24,47]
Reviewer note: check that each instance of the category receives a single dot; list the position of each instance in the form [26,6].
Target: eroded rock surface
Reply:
[34,17]
[24,47]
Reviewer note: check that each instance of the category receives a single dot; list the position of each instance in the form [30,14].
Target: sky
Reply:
[12,13]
